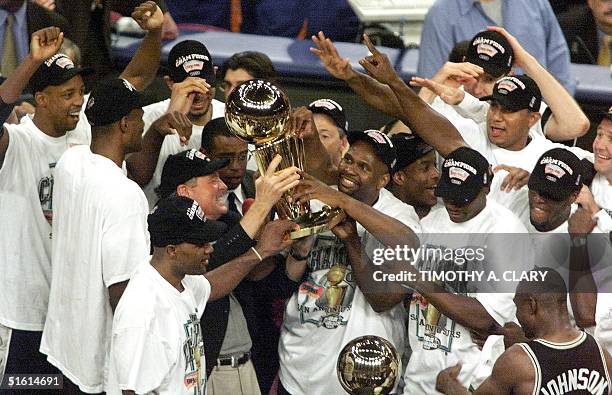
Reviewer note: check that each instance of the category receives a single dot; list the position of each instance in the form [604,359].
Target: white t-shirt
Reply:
[157,344]
[453,342]
[472,108]
[100,235]
[26,211]
[602,192]
[172,143]
[324,315]
[477,138]
[517,201]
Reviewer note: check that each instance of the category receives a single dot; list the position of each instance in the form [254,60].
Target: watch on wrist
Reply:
[579,241]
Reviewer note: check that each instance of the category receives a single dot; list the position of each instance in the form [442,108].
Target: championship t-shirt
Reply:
[172,143]
[99,236]
[329,310]
[26,212]
[157,344]
[438,342]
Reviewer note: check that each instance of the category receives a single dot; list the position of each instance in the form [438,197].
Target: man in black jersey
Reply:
[560,360]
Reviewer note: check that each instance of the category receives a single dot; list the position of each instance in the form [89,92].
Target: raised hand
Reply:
[174,122]
[447,380]
[270,187]
[515,179]
[586,200]
[378,64]
[45,43]
[456,74]
[184,92]
[333,63]
[448,94]
[580,223]
[520,54]
[148,16]
[301,123]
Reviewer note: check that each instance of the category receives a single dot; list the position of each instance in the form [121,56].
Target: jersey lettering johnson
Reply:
[576,367]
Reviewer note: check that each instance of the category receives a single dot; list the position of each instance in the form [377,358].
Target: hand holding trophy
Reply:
[256,112]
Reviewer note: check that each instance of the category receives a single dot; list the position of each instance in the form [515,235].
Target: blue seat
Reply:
[593,83]
[290,57]
[407,65]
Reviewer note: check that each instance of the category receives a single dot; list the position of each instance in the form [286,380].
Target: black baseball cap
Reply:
[491,51]
[332,109]
[182,167]
[379,141]
[516,93]
[557,174]
[190,58]
[464,173]
[112,99]
[409,148]
[54,71]
[179,219]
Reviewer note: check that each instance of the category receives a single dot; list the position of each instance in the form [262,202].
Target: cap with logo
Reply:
[409,148]
[382,144]
[464,173]
[491,51]
[54,71]
[182,167]
[557,174]
[516,93]
[112,99]
[178,219]
[332,109]
[190,58]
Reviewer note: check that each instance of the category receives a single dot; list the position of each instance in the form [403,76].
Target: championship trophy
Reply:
[256,112]
[368,365]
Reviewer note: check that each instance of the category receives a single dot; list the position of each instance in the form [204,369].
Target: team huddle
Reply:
[142,251]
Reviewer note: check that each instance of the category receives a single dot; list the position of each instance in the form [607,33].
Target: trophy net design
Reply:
[256,112]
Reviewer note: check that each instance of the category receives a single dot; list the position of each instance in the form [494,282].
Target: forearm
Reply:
[382,295]
[142,69]
[141,165]
[432,127]
[11,89]
[375,94]
[387,230]
[319,167]
[567,121]
[583,290]
[225,278]
[255,217]
[464,310]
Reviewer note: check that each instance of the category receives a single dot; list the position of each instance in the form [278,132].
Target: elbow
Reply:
[582,126]
[585,322]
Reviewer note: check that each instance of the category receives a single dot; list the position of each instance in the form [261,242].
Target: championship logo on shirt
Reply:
[193,352]
[434,330]
[326,297]
[45,194]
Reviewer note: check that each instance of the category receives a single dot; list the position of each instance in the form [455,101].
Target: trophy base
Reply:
[319,222]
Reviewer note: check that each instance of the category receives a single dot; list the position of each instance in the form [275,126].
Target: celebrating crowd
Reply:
[141,251]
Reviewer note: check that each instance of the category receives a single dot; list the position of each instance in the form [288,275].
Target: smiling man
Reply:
[415,175]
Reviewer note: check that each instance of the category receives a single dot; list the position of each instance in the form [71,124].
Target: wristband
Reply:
[257,253]
[579,241]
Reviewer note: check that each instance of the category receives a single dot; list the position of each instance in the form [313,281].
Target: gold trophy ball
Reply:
[368,363]
[256,111]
